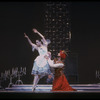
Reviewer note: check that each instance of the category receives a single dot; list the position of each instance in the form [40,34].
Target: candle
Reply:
[12,70]
[21,69]
[1,75]
[25,70]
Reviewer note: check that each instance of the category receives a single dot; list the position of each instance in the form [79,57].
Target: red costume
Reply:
[60,82]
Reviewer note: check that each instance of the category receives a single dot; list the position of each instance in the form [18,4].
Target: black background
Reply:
[19,17]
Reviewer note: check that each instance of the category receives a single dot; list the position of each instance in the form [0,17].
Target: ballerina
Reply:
[40,65]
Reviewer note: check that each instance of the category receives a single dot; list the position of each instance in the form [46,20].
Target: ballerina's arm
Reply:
[30,42]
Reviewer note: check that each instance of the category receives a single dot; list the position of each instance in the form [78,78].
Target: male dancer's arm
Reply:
[51,62]
[58,65]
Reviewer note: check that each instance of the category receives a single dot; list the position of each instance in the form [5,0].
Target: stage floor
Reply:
[44,91]
[48,87]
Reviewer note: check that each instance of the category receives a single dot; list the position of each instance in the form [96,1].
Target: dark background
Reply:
[86,39]
[19,17]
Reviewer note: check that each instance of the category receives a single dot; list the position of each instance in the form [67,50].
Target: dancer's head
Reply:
[38,43]
[62,55]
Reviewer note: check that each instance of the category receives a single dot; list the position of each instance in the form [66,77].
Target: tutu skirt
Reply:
[42,71]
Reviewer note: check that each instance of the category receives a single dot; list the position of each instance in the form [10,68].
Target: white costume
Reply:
[41,66]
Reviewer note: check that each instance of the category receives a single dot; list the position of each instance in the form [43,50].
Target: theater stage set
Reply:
[43,91]
[20,17]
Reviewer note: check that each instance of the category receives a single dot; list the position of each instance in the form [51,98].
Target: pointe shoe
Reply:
[33,89]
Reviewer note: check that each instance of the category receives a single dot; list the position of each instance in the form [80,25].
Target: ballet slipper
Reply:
[33,88]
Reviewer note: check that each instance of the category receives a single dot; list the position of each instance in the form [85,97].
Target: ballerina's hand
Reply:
[25,35]
[34,30]
[46,57]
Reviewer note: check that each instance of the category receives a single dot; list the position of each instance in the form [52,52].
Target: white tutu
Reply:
[41,66]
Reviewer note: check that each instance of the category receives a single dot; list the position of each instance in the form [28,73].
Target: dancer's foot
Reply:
[33,88]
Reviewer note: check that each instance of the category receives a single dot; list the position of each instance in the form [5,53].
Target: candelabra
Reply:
[0,83]
[19,74]
[15,73]
[4,77]
[97,74]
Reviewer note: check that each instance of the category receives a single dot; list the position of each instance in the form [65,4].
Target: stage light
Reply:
[57,22]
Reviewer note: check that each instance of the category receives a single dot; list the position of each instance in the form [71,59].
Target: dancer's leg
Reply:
[35,81]
[38,79]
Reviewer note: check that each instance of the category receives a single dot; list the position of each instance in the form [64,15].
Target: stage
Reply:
[43,91]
